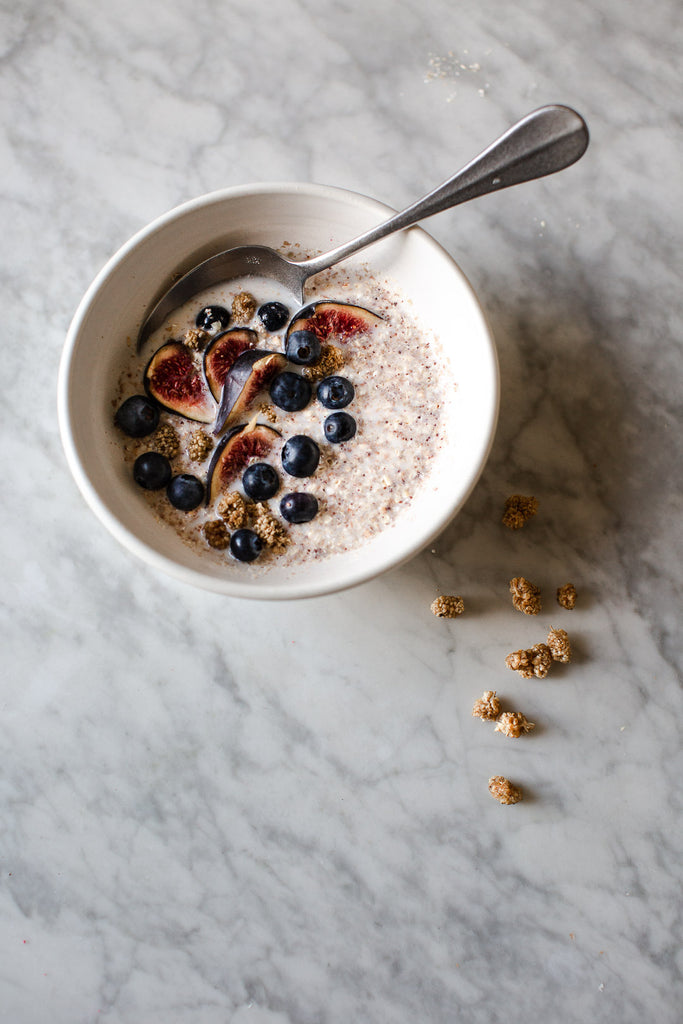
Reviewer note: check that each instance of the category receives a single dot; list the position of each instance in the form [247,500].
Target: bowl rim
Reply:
[296,588]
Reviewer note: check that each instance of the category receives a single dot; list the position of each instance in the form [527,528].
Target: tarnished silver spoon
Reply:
[545,141]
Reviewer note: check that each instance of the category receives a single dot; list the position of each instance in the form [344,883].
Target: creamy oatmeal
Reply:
[401,391]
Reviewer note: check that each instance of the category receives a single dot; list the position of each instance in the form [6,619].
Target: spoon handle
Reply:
[545,141]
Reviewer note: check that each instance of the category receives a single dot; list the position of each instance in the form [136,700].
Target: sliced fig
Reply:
[221,353]
[252,371]
[234,452]
[333,320]
[173,379]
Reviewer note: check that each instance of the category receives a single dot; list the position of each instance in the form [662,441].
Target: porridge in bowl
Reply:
[260,432]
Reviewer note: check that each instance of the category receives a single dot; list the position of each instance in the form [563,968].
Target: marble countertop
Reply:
[214,811]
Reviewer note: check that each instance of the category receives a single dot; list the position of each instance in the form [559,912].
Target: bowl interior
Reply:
[104,331]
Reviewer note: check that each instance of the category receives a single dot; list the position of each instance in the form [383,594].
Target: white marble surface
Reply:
[221,812]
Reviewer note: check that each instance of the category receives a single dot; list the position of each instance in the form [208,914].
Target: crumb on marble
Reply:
[504,791]
[525,596]
[330,362]
[447,606]
[199,446]
[217,534]
[513,724]
[518,510]
[233,509]
[566,596]
[165,440]
[487,707]
[535,661]
[243,307]
[559,645]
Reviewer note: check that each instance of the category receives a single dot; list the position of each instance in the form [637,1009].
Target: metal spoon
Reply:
[545,141]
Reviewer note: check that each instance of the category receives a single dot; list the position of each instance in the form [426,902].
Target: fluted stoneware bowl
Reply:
[316,218]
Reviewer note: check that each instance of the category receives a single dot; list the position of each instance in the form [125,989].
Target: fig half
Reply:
[333,321]
[252,371]
[234,453]
[221,353]
[173,379]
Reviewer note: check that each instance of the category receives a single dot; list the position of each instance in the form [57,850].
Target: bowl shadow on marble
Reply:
[561,433]
[530,794]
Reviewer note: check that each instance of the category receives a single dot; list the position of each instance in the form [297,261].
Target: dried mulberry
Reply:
[559,646]
[233,508]
[503,790]
[535,661]
[199,446]
[513,723]
[268,528]
[518,510]
[448,606]
[166,441]
[487,707]
[243,307]
[330,362]
[268,411]
[525,596]
[566,596]
[196,338]
[217,534]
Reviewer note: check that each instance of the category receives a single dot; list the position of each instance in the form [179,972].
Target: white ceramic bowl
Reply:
[318,218]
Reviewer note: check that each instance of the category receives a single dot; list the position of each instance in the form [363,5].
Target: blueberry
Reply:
[335,392]
[290,391]
[137,416]
[152,471]
[245,545]
[212,318]
[299,507]
[260,481]
[302,348]
[300,456]
[273,315]
[339,426]
[185,492]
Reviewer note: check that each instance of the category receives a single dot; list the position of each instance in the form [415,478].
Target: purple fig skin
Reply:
[336,321]
[173,380]
[248,375]
[233,454]
[222,352]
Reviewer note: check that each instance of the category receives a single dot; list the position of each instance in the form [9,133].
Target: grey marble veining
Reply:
[221,812]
